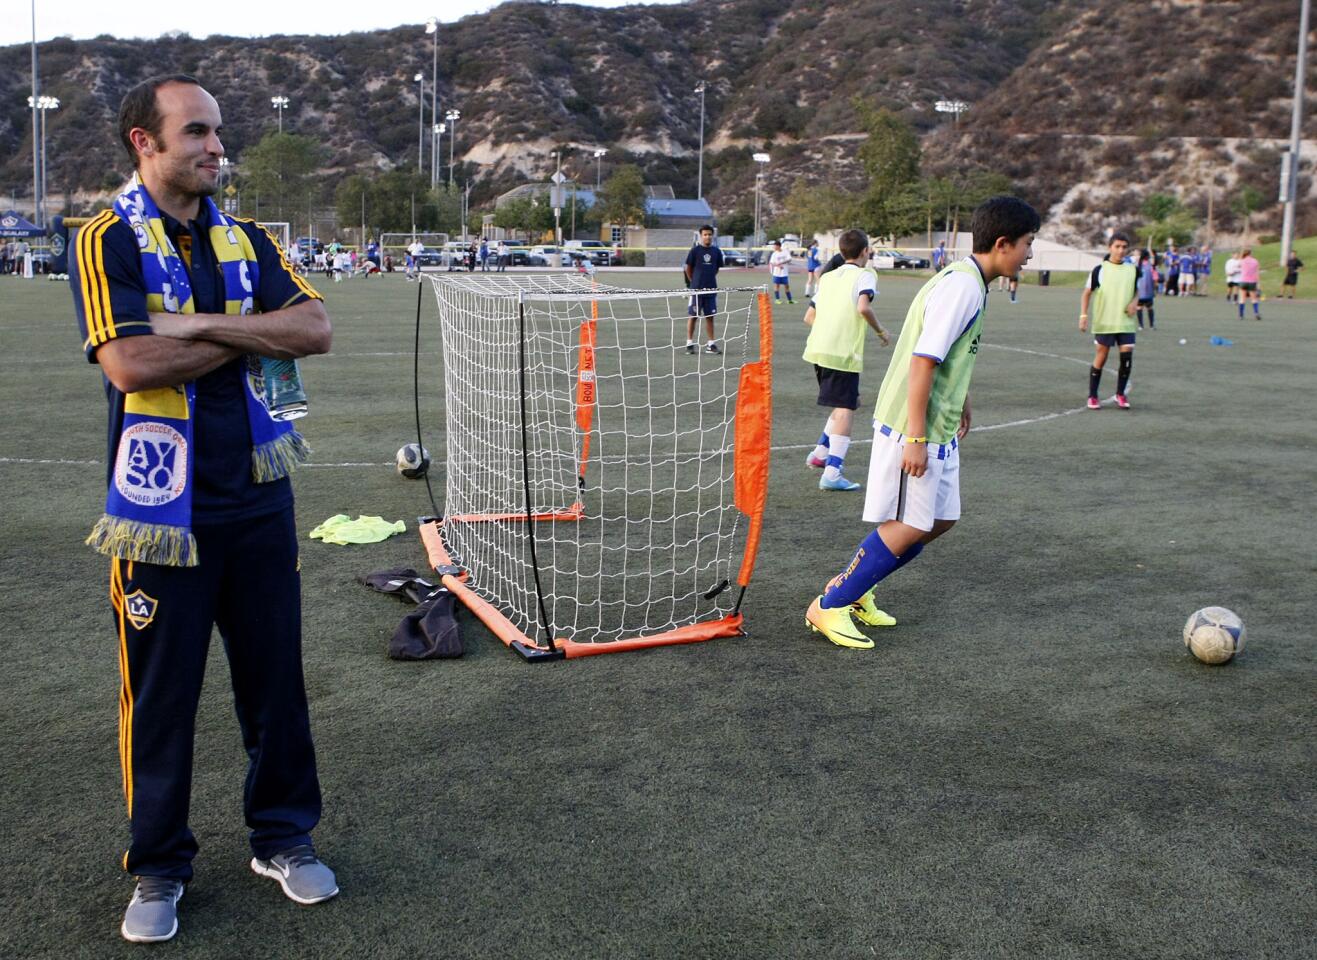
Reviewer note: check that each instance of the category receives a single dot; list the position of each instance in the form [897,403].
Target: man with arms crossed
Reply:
[177,302]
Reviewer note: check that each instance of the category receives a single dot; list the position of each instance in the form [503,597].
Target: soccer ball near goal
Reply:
[1214,634]
[413,461]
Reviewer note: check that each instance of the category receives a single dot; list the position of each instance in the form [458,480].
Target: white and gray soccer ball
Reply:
[1214,634]
[413,461]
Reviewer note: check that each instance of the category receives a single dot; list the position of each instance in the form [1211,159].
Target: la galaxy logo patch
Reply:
[140,609]
[152,464]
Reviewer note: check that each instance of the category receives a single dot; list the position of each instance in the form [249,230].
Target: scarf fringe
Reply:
[144,542]
[277,458]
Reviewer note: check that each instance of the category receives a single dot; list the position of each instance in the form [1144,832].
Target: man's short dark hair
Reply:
[1119,235]
[1008,217]
[852,243]
[139,109]
[705,227]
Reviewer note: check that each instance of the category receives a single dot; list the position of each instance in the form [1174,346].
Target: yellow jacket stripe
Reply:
[302,285]
[91,273]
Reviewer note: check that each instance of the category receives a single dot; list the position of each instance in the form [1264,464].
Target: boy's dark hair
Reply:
[1008,217]
[852,243]
[139,109]
[703,227]
[777,243]
[1119,235]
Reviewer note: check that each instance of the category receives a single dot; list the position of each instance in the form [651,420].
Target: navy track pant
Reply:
[247,584]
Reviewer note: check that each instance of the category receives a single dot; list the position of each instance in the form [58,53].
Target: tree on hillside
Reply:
[1247,201]
[281,171]
[890,156]
[397,201]
[622,200]
[1166,218]
[524,217]
[815,209]
[738,223]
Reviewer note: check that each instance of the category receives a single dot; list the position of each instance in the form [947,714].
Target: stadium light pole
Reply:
[435,149]
[953,107]
[224,164]
[699,181]
[279,103]
[452,116]
[39,107]
[761,159]
[432,27]
[420,123]
[1289,175]
[32,102]
[598,171]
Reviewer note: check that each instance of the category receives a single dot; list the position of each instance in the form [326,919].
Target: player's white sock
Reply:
[837,447]
[821,448]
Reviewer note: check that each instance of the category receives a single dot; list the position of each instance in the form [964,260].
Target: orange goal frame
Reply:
[751,454]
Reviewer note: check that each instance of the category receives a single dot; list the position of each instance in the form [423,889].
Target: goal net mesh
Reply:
[578,405]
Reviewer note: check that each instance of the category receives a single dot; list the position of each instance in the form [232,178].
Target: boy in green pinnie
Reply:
[1110,290]
[841,308]
[922,415]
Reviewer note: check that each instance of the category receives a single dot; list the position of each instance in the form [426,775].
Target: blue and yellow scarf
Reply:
[148,509]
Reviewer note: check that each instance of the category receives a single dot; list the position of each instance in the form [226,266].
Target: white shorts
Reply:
[1186,280]
[892,494]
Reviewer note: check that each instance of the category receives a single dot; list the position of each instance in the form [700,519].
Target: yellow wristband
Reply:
[916,439]
[1083,316]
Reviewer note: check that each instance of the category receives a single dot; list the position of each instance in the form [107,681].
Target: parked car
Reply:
[546,256]
[885,258]
[309,246]
[734,258]
[519,257]
[598,251]
[430,257]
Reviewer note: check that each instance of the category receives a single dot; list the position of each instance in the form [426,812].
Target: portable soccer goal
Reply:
[605,487]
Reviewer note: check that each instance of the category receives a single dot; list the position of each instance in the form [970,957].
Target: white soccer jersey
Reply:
[779,262]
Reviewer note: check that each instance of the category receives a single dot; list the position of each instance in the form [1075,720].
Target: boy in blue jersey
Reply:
[922,415]
[702,266]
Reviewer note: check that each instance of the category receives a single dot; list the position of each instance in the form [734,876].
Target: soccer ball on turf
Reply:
[1214,635]
[413,461]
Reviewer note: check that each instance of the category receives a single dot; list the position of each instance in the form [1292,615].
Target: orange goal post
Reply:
[605,486]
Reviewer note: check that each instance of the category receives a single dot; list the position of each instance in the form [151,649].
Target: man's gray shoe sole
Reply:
[266,868]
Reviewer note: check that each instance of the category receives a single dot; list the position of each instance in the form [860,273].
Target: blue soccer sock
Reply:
[1255,308]
[872,563]
[1241,309]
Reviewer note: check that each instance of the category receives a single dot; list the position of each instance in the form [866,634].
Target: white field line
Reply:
[787,448]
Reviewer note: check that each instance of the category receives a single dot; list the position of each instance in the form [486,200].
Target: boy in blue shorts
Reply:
[922,415]
[842,306]
[702,266]
[1111,289]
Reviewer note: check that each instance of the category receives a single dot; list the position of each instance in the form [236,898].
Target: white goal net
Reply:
[642,466]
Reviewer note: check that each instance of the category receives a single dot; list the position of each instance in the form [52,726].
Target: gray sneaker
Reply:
[152,915]
[299,871]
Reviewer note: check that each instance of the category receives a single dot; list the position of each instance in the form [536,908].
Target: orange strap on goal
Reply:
[754,429]
[585,385]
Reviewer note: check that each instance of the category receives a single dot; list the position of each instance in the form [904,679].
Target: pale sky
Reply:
[82,19]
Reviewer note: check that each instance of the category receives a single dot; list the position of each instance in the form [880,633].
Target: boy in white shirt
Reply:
[779,264]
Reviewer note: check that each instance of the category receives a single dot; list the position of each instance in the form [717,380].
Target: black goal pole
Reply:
[525,475]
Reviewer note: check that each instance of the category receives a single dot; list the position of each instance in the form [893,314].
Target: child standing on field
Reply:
[923,413]
[1110,289]
[842,307]
[1145,286]
[779,263]
[1250,275]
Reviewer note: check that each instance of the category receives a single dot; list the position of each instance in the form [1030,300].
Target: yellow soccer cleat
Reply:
[836,624]
[865,611]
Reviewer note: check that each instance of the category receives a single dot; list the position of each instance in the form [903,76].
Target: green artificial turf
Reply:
[1029,765]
